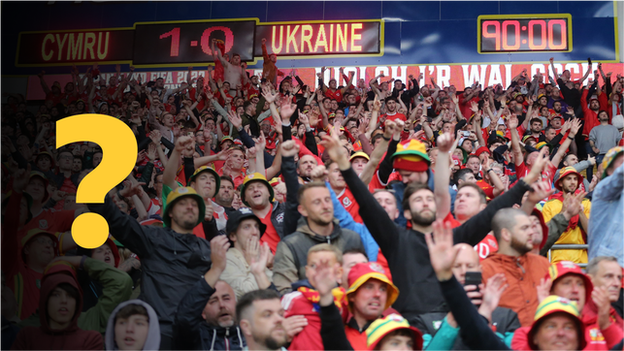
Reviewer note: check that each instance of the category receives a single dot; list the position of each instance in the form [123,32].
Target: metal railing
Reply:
[568,247]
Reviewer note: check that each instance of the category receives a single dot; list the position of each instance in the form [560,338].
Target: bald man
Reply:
[440,328]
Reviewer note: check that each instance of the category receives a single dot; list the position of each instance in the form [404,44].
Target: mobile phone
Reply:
[466,133]
[473,278]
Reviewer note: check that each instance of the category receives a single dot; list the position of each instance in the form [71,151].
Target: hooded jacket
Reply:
[92,290]
[153,334]
[191,330]
[44,337]
[292,252]
[116,288]
[523,276]
[170,262]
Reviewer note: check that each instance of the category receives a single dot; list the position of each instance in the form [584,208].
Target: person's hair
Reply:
[247,104]
[227,179]
[354,251]
[397,332]
[505,219]
[326,248]
[410,190]
[375,138]
[304,187]
[391,98]
[70,290]
[461,174]
[247,300]
[592,266]
[548,128]
[328,163]
[131,310]
[477,188]
[472,156]
[189,125]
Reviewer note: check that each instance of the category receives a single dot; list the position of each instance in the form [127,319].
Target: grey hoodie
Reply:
[153,334]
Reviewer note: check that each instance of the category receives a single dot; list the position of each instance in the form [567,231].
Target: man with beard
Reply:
[305,166]
[392,111]
[225,196]
[404,247]
[172,251]
[261,319]
[576,233]
[214,301]
[317,225]
[513,231]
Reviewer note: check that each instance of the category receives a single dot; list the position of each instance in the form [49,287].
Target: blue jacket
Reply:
[605,222]
[346,221]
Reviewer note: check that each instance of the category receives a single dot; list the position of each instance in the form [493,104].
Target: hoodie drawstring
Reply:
[214,337]
[519,265]
[240,339]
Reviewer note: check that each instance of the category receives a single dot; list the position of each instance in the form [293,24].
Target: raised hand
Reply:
[268,95]
[538,167]
[336,152]
[493,290]
[541,190]
[235,119]
[543,289]
[290,148]
[218,249]
[445,142]
[572,204]
[325,277]
[294,325]
[576,126]
[259,262]
[441,250]
[252,249]
[600,296]
[303,118]
[183,142]
[260,143]
[319,173]
[286,111]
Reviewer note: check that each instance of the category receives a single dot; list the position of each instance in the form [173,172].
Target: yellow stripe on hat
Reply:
[556,303]
[381,327]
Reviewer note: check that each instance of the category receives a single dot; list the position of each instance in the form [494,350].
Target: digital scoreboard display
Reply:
[320,38]
[524,33]
[183,43]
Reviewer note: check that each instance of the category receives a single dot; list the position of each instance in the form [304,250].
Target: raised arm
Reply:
[515,140]
[381,227]
[442,175]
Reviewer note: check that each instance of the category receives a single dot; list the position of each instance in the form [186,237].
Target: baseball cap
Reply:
[235,218]
[362,272]
[384,326]
[45,183]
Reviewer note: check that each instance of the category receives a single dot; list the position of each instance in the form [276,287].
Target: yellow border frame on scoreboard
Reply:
[535,16]
[255,61]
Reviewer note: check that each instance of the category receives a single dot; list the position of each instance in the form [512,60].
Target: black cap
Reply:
[235,218]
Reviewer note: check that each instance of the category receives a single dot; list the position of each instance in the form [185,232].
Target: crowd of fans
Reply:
[264,214]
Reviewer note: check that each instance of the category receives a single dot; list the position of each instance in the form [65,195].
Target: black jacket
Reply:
[193,333]
[171,262]
[406,249]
